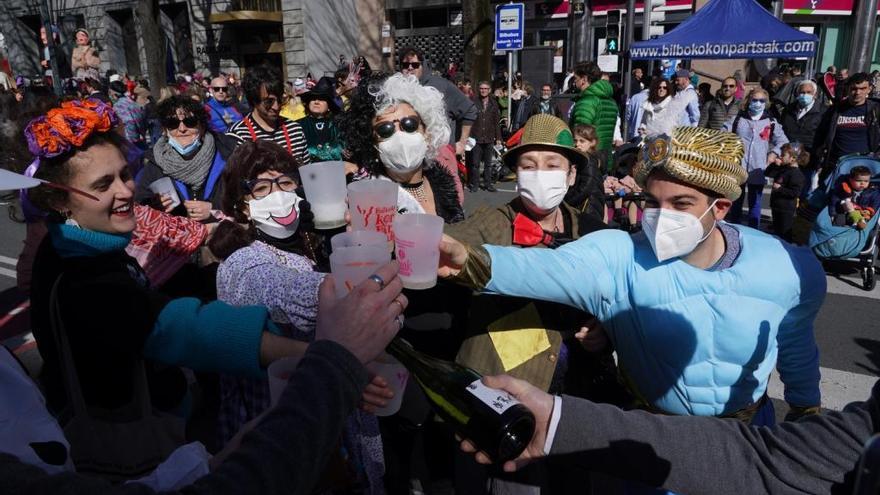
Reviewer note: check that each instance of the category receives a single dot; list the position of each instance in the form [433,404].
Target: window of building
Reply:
[401,19]
[428,18]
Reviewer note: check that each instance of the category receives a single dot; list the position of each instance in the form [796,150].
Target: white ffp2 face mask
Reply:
[542,190]
[276,215]
[673,233]
[403,152]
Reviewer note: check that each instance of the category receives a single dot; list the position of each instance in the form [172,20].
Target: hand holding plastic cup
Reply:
[324,184]
[279,373]
[396,375]
[373,205]
[165,186]
[417,242]
[356,255]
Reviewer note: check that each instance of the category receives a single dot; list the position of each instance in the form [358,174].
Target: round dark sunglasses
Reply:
[408,124]
[174,122]
[260,188]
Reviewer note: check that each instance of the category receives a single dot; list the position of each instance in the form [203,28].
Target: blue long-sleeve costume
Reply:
[693,342]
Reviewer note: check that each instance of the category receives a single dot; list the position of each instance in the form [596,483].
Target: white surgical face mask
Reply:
[276,215]
[673,233]
[542,190]
[403,152]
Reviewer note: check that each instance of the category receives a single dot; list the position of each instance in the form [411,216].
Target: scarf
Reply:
[70,241]
[192,171]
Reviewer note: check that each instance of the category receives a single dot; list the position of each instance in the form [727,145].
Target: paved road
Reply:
[846,328]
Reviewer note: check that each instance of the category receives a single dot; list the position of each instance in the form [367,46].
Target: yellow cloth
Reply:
[519,336]
[294,110]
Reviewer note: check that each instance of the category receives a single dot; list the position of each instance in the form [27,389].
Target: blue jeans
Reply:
[753,192]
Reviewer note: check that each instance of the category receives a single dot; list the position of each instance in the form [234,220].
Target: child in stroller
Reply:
[624,196]
[853,200]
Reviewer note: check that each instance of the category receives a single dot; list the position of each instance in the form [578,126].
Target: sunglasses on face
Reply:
[407,124]
[219,89]
[759,100]
[729,86]
[663,87]
[410,65]
[272,100]
[174,122]
[260,188]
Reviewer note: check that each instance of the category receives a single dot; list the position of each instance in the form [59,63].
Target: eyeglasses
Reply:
[759,100]
[408,124]
[729,86]
[663,87]
[220,89]
[410,65]
[260,188]
[272,100]
[174,122]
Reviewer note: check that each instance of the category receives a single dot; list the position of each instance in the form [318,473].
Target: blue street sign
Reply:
[509,26]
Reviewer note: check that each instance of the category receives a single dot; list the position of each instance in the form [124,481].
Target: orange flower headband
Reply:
[68,127]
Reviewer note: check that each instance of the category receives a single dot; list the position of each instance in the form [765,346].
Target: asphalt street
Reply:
[845,327]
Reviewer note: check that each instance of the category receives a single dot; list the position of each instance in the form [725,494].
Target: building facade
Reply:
[302,36]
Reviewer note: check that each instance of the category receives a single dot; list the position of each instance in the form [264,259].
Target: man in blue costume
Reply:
[699,311]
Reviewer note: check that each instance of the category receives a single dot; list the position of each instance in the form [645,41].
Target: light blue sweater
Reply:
[694,342]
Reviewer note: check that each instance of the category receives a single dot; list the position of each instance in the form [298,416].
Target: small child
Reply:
[788,181]
[854,201]
[586,194]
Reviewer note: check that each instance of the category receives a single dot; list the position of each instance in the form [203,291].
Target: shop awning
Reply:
[729,29]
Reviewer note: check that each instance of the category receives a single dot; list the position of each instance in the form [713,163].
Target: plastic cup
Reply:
[324,183]
[166,187]
[358,238]
[352,265]
[417,241]
[279,374]
[372,205]
[396,375]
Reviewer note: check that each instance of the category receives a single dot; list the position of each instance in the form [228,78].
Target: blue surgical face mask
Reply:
[756,108]
[804,100]
[185,150]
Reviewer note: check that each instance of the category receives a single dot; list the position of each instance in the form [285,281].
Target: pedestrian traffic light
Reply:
[612,38]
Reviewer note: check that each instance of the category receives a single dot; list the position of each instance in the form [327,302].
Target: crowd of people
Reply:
[176,256]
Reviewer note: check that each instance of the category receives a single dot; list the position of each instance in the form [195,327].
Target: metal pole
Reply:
[509,86]
[50,45]
[646,35]
[863,36]
[630,31]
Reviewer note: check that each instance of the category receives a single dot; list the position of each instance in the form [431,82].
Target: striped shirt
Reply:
[293,140]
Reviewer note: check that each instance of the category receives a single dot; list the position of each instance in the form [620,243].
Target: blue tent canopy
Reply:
[729,29]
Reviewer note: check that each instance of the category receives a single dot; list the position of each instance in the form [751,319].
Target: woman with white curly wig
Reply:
[394,129]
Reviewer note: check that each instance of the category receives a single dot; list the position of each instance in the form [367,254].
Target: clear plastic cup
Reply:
[358,238]
[417,243]
[352,265]
[372,205]
[324,184]
[165,186]
[396,375]
[279,374]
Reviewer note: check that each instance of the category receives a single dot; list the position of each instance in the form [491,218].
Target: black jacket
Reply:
[151,173]
[302,431]
[587,195]
[803,130]
[827,131]
[487,127]
[791,181]
[522,110]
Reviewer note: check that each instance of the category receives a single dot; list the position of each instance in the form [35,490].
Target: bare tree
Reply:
[478,22]
[147,12]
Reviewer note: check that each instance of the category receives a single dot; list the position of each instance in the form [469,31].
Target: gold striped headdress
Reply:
[704,158]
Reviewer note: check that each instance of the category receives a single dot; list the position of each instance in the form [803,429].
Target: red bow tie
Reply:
[527,232]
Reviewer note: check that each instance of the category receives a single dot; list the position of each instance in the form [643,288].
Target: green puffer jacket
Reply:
[595,106]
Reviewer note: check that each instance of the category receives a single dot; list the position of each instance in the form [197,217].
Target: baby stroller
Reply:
[833,242]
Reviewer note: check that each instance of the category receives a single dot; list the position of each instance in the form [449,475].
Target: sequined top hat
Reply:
[545,131]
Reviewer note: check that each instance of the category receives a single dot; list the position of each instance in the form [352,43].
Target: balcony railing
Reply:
[255,5]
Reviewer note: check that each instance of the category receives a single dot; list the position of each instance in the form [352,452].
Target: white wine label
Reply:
[499,400]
